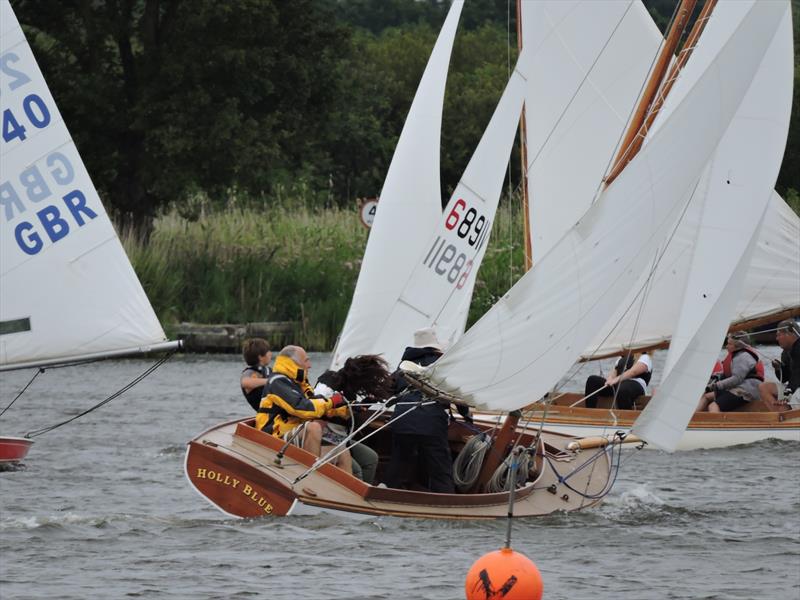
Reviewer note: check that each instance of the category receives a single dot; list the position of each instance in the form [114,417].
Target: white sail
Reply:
[438,290]
[740,181]
[409,209]
[529,339]
[770,283]
[585,86]
[67,289]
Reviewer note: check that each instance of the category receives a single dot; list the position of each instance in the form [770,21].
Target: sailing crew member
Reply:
[625,382]
[742,372]
[289,401]
[257,356]
[787,368]
[364,376]
[419,431]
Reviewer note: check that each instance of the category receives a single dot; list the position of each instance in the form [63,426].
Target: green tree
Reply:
[164,98]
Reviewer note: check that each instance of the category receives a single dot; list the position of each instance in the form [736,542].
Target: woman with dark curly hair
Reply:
[366,376]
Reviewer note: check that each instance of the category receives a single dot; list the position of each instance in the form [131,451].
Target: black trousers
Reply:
[626,392]
[431,451]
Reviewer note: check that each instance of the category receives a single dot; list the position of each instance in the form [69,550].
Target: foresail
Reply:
[742,175]
[527,341]
[594,58]
[439,289]
[409,210]
[67,288]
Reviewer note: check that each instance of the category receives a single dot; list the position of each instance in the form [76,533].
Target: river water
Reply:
[102,510]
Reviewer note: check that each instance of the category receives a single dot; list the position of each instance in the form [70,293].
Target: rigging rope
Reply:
[22,391]
[116,394]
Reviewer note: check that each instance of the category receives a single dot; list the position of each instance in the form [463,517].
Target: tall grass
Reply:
[289,263]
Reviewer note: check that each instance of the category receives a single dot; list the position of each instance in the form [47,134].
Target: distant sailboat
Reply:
[68,292]
[725,204]
[532,336]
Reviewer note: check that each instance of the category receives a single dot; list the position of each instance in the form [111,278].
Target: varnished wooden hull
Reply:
[705,430]
[233,466]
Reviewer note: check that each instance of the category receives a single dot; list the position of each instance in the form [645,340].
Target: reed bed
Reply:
[289,263]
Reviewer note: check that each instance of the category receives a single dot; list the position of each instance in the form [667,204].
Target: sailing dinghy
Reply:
[68,292]
[523,345]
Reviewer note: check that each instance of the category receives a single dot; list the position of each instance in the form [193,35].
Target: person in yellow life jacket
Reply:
[289,401]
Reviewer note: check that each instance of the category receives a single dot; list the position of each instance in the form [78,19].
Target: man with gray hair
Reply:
[787,369]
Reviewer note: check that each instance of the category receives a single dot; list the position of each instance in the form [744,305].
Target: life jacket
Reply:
[624,364]
[289,400]
[756,372]
[254,396]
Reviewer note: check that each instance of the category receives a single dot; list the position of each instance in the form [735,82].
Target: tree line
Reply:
[168,100]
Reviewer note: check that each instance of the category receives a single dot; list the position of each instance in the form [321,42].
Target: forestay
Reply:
[67,289]
[593,60]
[408,213]
[735,200]
[529,339]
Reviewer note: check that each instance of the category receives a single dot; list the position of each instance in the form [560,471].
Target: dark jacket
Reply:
[790,366]
[254,396]
[431,419]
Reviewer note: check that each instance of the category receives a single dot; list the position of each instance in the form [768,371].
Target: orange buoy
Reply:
[504,575]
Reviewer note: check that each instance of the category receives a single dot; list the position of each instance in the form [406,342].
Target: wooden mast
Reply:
[634,137]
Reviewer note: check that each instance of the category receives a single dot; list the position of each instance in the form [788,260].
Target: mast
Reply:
[637,129]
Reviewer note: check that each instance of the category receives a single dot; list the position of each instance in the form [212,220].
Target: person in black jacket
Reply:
[787,368]
[419,432]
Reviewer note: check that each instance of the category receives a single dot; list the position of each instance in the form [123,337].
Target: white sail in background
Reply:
[737,195]
[770,283]
[585,84]
[67,289]
[439,288]
[529,339]
[409,210]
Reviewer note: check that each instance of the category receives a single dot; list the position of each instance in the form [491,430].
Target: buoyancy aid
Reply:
[289,400]
[254,396]
[756,372]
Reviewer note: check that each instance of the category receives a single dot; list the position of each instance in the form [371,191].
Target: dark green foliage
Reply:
[164,98]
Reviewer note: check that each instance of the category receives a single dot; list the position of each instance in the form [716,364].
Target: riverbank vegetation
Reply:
[290,262]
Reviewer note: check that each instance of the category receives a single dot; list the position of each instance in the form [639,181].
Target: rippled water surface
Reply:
[102,510]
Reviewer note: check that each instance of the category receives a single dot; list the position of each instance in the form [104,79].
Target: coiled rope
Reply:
[467,465]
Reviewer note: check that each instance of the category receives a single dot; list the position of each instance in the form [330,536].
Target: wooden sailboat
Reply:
[67,290]
[769,290]
[523,345]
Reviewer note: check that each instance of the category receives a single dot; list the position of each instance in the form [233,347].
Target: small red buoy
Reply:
[504,575]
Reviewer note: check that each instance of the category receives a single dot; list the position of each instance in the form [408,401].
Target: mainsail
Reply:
[409,210]
[578,103]
[67,289]
[734,202]
[522,346]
